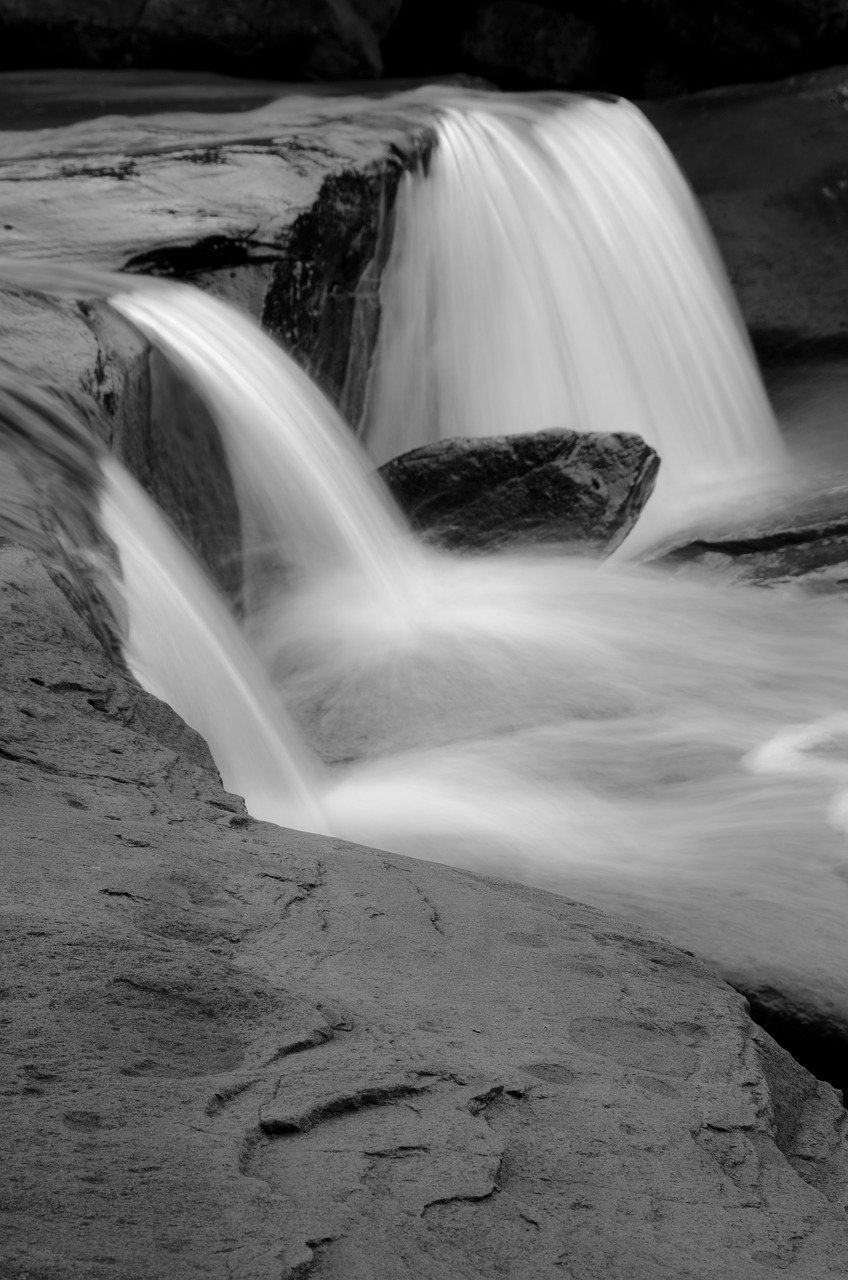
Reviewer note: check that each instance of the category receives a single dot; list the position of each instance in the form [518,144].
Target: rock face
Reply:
[558,487]
[232,1049]
[283,209]
[767,163]
[531,43]
[635,47]
[304,39]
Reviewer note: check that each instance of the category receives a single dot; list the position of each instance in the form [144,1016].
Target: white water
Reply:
[608,732]
[552,269]
[643,742]
[183,646]
[307,498]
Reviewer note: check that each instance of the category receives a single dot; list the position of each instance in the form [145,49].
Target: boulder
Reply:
[232,1049]
[556,487]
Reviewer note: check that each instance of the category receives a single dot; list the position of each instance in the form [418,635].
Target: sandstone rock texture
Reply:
[560,487]
[232,1050]
[301,39]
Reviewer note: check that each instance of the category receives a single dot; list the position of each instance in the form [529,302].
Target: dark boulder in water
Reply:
[559,487]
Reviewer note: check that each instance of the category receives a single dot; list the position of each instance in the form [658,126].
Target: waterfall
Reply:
[642,742]
[550,268]
[183,646]
[307,498]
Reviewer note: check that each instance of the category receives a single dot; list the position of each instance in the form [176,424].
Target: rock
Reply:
[302,39]
[640,48]
[531,46]
[806,545]
[232,1049]
[561,487]
[767,163]
[281,210]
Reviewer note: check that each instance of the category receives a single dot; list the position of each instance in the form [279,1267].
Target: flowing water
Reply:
[663,745]
[184,647]
[551,268]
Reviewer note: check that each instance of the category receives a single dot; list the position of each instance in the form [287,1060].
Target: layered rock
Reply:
[233,1049]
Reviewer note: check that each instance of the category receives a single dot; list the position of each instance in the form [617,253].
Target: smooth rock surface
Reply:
[768,164]
[555,487]
[236,1050]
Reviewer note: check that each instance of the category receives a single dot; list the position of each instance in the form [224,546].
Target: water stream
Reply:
[662,745]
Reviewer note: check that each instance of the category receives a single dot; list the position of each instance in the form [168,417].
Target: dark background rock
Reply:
[634,47]
[559,487]
[297,39]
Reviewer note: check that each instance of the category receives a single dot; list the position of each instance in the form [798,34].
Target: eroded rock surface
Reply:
[232,1049]
[560,487]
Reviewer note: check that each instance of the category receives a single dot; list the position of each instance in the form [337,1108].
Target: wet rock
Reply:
[560,487]
[234,1049]
[802,540]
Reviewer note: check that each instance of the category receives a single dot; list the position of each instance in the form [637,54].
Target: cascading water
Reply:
[307,500]
[183,645]
[550,268]
[607,732]
[604,731]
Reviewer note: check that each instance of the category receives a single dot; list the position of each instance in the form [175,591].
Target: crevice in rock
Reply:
[286,1125]
[323,301]
[814,1043]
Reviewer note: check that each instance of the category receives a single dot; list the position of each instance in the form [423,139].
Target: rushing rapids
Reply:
[645,742]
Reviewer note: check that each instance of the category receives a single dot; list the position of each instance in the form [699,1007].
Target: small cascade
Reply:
[551,268]
[306,495]
[184,647]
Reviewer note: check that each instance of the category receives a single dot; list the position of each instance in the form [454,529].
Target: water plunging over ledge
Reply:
[551,268]
[602,730]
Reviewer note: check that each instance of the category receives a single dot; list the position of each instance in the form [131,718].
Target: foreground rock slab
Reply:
[560,487]
[236,1050]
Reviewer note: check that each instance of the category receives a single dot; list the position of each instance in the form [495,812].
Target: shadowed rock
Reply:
[559,487]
